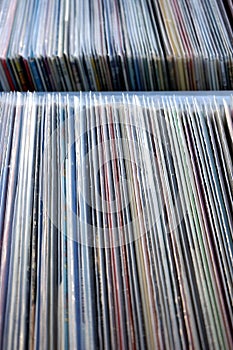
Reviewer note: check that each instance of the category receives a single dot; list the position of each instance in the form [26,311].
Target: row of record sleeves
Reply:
[106,45]
[116,224]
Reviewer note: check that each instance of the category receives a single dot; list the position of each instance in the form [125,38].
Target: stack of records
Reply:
[70,45]
[116,224]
